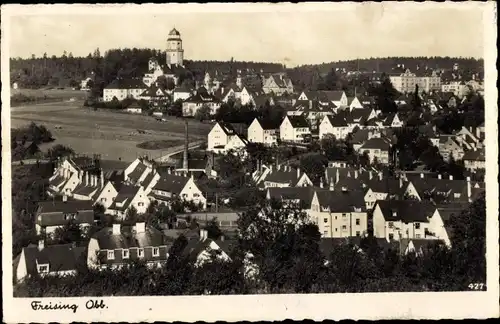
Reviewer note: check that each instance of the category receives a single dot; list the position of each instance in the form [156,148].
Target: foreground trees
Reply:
[284,249]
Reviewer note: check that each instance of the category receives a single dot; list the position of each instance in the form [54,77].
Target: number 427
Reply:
[477,286]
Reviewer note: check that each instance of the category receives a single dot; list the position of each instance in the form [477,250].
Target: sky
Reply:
[292,35]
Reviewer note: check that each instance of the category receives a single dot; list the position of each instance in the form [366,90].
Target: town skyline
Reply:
[373,33]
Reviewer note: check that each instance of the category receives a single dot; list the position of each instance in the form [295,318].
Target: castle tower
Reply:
[174,52]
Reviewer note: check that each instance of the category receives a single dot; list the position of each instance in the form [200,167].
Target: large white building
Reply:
[406,82]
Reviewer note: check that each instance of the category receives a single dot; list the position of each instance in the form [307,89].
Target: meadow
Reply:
[115,136]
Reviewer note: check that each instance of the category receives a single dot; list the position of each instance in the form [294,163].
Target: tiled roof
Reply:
[137,172]
[64,257]
[57,181]
[71,206]
[268,124]
[298,121]
[125,193]
[376,143]
[340,201]
[337,120]
[304,194]
[84,190]
[474,155]
[406,210]
[132,83]
[152,91]
[281,176]
[128,238]
[171,183]
[173,69]
[202,98]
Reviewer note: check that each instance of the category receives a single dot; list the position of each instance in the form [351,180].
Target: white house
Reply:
[335,125]
[107,195]
[398,219]
[221,135]
[128,197]
[191,105]
[121,89]
[393,120]
[339,214]
[181,93]
[51,215]
[117,246]
[354,103]
[262,131]
[51,260]
[338,98]
[283,176]
[171,186]
[294,129]
[277,84]
[377,148]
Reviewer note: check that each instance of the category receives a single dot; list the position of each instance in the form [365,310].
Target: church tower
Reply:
[175,53]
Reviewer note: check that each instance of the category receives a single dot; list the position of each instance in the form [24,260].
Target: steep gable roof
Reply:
[60,257]
[376,143]
[171,183]
[298,121]
[407,211]
[340,201]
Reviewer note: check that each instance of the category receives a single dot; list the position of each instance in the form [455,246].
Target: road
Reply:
[177,149]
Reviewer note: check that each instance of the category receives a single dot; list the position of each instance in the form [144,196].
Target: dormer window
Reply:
[111,255]
[43,268]
[125,254]
[156,252]
[140,253]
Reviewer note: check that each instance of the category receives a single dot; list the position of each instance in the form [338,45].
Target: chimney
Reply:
[332,185]
[451,177]
[469,190]
[87,178]
[140,227]
[380,175]
[102,178]
[298,173]
[321,183]
[355,174]
[421,175]
[186,148]
[116,229]
[439,177]
[64,198]
[370,175]
[222,238]
[41,245]
[348,174]
[400,182]
[337,175]
[80,176]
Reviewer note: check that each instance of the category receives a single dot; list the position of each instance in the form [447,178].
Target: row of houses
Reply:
[117,191]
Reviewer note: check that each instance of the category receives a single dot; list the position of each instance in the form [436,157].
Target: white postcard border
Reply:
[263,307]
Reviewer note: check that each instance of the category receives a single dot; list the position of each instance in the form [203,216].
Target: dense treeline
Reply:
[68,71]
[311,76]
[284,256]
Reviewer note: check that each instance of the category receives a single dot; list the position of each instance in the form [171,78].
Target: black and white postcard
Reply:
[244,162]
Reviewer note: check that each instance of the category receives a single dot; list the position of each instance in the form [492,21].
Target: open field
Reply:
[57,93]
[113,135]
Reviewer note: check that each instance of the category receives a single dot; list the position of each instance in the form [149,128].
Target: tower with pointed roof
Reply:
[174,52]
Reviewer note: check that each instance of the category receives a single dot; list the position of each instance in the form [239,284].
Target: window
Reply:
[156,252]
[43,268]
[391,224]
[125,254]
[357,221]
[140,204]
[344,215]
[417,236]
[111,255]
[103,199]
[358,233]
[391,237]
[344,227]
[196,195]
[325,233]
[140,253]
[336,229]
[325,220]
[417,225]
